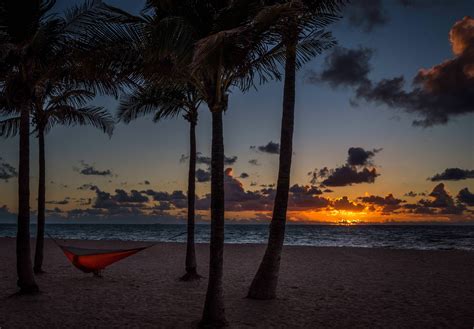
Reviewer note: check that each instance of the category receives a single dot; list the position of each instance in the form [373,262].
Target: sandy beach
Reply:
[319,288]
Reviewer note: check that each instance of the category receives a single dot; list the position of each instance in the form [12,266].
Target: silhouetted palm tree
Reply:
[64,107]
[171,100]
[303,38]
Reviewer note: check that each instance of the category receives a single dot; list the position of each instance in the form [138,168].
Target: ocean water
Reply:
[370,236]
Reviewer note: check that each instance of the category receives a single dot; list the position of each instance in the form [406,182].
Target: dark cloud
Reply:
[360,157]
[366,14]
[345,204]
[205,160]
[466,197]
[388,203]
[60,202]
[344,67]
[254,162]
[244,175]
[439,93]
[358,169]
[121,199]
[89,170]
[347,175]
[122,196]
[203,176]
[238,199]
[145,182]
[86,187]
[304,197]
[271,148]
[411,194]
[440,202]
[7,171]
[453,174]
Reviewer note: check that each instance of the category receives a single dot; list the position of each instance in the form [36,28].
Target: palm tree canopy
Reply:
[43,64]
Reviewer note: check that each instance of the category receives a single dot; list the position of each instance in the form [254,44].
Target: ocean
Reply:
[424,237]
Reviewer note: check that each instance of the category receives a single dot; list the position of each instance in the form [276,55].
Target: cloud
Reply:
[360,157]
[441,202]
[439,93]
[89,170]
[203,176]
[345,204]
[244,175]
[205,160]
[388,203]
[366,14]
[7,171]
[60,202]
[344,68]
[122,196]
[347,175]
[411,194]
[177,198]
[466,197]
[270,148]
[357,169]
[121,199]
[87,187]
[254,162]
[453,174]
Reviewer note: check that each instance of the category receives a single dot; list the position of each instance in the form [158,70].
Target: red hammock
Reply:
[95,260]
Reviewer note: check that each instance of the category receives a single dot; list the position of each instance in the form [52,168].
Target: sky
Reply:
[383,134]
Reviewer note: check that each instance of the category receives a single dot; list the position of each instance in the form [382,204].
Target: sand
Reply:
[319,288]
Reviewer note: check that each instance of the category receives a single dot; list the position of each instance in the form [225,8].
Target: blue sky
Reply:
[326,125]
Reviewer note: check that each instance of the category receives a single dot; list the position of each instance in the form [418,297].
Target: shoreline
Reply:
[328,287]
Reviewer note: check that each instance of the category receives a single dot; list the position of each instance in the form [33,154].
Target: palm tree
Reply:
[65,107]
[303,38]
[41,54]
[170,101]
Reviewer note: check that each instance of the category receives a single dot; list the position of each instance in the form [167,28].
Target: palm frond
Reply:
[161,101]
[9,127]
[67,115]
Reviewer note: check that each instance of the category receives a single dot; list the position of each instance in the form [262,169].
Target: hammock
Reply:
[95,260]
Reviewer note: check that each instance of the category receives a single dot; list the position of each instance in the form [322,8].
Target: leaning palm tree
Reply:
[167,101]
[64,106]
[301,32]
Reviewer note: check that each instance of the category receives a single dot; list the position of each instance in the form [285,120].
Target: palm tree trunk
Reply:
[266,280]
[38,267]
[214,314]
[191,265]
[26,279]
